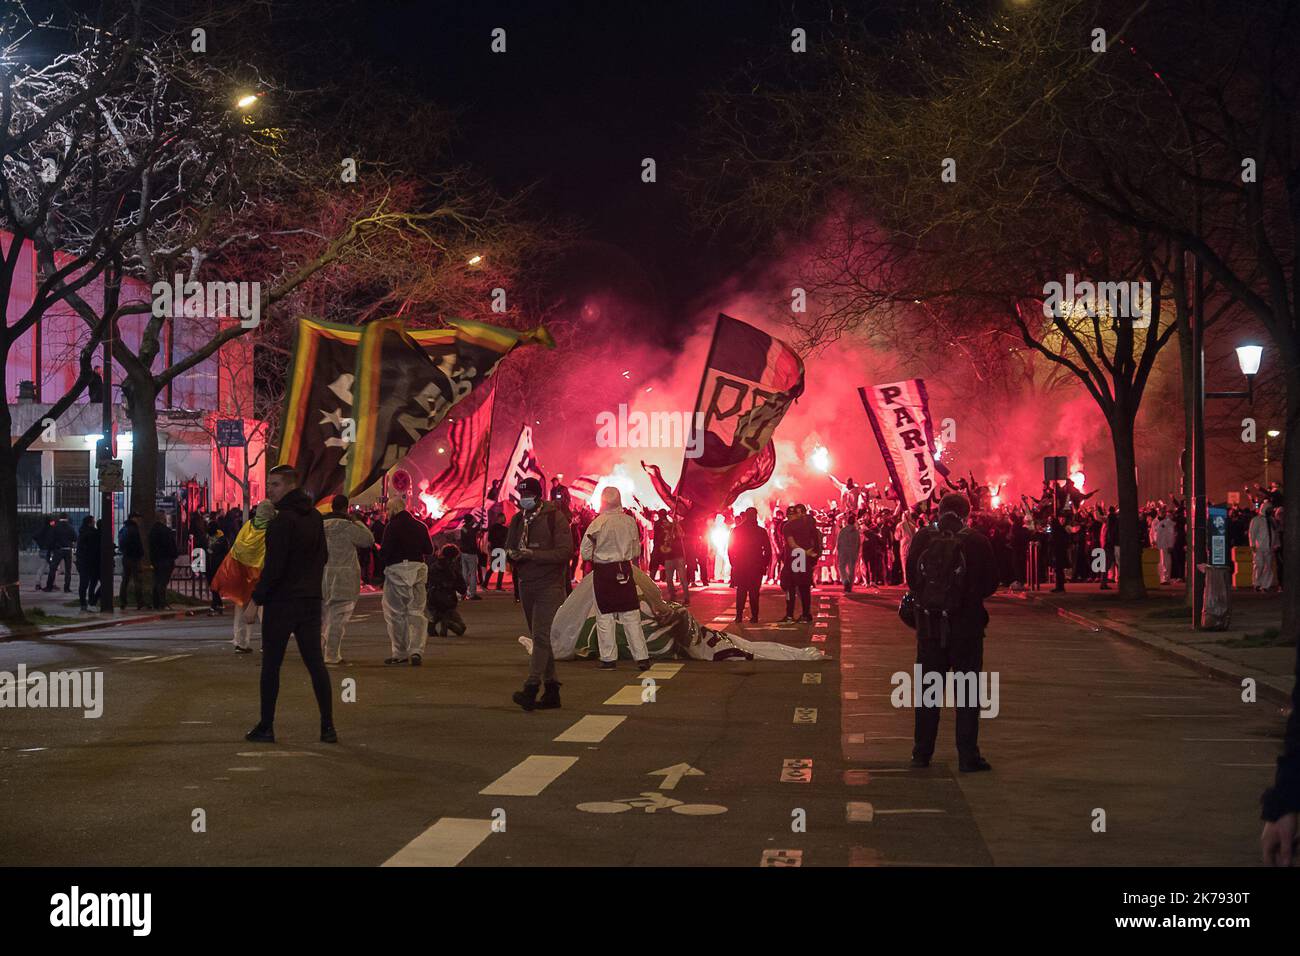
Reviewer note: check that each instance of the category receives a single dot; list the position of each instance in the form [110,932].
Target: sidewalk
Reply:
[57,612]
[1251,647]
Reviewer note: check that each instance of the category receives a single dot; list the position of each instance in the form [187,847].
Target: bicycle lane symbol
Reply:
[651,802]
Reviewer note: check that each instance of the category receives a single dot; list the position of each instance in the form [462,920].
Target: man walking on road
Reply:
[289,592]
[341,586]
[539,546]
[950,571]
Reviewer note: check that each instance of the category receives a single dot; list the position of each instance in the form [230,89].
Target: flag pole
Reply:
[487,464]
[708,363]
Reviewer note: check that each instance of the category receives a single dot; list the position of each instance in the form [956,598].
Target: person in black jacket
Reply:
[289,593]
[496,534]
[88,563]
[446,581]
[163,552]
[749,553]
[62,540]
[960,644]
[131,544]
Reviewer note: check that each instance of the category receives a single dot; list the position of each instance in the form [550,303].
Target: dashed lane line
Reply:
[446,843]
[529,777]
[591,729]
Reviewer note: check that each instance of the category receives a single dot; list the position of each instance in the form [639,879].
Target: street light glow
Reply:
[1248,357]
[475,260]
[247,100]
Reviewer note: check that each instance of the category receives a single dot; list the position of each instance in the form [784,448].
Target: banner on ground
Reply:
[521,464]
[322,424]
[750,381]
[444,473]
[899,413]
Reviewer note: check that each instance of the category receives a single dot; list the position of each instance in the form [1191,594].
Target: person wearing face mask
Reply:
[538,546]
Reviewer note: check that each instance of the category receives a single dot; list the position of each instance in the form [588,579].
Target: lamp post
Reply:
[1248,359]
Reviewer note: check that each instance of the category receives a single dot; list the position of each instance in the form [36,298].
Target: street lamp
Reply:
[1271,433]
[248,101]
[1249,358]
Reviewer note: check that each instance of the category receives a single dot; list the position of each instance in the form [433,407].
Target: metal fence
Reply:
[39,502]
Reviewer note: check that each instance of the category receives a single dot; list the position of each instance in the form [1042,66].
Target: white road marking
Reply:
[850,695]
[1269,765]
[591,729]
[805,715]
[673,775]
[629,696]
[781,858]
[915,810]
[855,738]
[812,678]
[1187,715]
[278,753]
[196,721]
[530,777]
[663,671]
[858,812]
[446,843]
[1157,697]
[173,657]
[245,769]
[796,770]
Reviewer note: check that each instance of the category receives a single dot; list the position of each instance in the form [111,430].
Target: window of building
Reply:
[72,480]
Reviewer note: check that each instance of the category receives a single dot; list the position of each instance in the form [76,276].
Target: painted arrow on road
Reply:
[673,775]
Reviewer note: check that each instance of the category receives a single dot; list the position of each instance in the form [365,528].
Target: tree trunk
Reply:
[1130,542]
[144,459]
[1291,506]
[11,605]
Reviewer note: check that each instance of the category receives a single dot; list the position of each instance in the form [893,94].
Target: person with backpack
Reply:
[950,571]
[539,545]
[446,584]
[801,551]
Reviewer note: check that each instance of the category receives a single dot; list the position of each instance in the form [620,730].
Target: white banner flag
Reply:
[522,464]
[900,416]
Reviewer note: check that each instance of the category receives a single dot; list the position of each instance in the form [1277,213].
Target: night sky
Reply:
[585,91]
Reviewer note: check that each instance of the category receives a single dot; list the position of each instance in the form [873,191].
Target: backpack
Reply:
[942,588]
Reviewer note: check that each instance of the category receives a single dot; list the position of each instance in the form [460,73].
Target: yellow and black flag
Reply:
[360,397]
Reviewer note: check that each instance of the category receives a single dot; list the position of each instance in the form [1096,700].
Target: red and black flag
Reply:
[750,381]
[445,470]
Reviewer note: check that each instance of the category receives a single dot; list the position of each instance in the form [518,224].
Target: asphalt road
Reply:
[736,764]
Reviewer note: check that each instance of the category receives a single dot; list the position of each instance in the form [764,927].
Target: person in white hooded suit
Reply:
[1263,558]
[611,543]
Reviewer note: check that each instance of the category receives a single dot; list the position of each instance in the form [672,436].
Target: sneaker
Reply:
[787,620]
[607,665]
[417,660]
[243,650]
[396,660]
[643,665]
[974,766]
[328,735]
[260,735]
[806,619]
[333,663]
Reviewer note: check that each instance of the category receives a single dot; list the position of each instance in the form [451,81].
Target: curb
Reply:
[1170,650]
[37,633]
